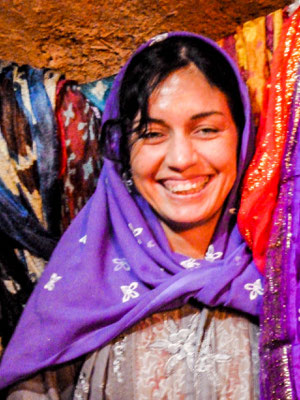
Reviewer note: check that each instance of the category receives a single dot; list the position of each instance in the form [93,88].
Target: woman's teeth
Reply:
[187,188]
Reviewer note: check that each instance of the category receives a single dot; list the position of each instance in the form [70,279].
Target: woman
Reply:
[135,281]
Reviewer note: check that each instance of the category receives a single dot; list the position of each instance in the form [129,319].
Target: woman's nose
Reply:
[181,152]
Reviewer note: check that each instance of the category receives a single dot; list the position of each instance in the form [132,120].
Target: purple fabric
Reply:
[279,343]
[113,267]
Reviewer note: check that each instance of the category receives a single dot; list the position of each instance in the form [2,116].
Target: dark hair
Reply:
[147,70]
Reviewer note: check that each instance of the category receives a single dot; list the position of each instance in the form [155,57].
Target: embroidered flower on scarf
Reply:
[255,289]
[83,239]
[190,263]
[211,255]
[129,292]
[121,263]
[50,285]
[150,244]
[136,232]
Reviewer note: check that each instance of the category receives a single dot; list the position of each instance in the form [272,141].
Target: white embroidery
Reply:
[119,349]
[81,125]
[211,255]
[150,244]
[69,114]
[190,263]
[136,231]
[82,387]
[83,239]
[99,90]
[88,168]
[159,38]
[181,344]
[207,360]
[129,292]
[255,289]
[50,285]
[121,263]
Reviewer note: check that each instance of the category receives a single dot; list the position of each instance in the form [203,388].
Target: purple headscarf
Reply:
[114,267]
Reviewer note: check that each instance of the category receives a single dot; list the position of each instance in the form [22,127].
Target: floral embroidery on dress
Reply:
[255,289]
[82,387]
[129,292]
[121,263]
[190,263]
[211,255]
[181,343]
[119,349]
[83,239]
[207,360]
[50,285]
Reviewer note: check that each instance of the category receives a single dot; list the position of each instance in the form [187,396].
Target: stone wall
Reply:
[89,39]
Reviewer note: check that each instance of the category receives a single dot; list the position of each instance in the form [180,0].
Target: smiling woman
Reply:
[184,164]
[160,300]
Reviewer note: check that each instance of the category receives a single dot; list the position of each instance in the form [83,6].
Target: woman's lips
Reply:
[186,186]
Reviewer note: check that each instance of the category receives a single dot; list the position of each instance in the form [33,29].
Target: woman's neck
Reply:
[192,241]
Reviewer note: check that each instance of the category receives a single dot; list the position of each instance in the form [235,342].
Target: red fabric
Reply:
[60,91]
[261,182]
[79,132]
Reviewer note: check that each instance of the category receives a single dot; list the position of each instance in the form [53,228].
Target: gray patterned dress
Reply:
[187,353]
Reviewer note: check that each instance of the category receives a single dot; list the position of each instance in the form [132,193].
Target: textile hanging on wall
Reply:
[29,191]
[252,47]
[262,180]
[270,207]
[79,131]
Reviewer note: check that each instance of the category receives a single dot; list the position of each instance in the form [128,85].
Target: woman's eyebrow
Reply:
[156,121]
[206,114]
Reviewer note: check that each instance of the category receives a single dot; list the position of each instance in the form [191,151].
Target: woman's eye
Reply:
[207,132]
[152,136]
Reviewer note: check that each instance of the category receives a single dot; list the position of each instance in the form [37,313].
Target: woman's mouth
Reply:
[186,187]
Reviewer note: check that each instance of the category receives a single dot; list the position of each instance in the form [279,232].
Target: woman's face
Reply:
[185,163]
